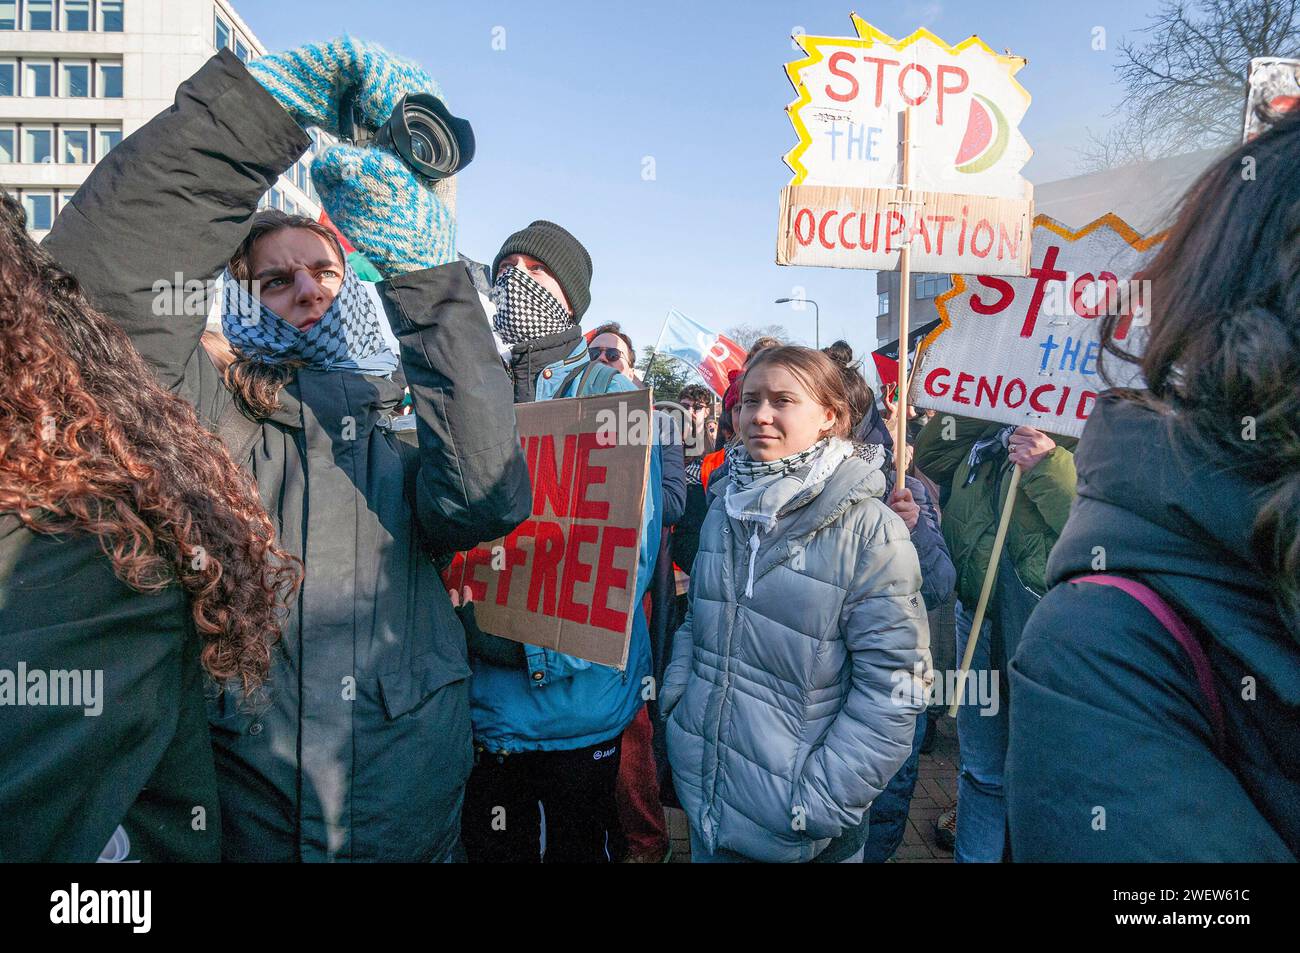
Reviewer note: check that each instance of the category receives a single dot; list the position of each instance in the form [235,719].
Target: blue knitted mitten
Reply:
[309,81]
[399,221]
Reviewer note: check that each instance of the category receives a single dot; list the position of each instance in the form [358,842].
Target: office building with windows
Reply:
[76,76]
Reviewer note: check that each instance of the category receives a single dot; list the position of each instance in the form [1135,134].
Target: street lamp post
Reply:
[817,316]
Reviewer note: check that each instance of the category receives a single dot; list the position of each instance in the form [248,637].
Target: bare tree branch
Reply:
[1185,80]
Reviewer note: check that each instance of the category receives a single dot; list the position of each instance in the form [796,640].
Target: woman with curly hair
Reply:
[134,555]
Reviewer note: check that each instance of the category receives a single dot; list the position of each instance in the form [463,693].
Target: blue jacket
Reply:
[575,703]
[554,375]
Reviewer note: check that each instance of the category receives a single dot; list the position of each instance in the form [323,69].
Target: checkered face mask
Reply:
[525,310]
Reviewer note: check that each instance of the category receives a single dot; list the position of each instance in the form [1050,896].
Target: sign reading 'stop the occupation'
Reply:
[966,108]
[965,207]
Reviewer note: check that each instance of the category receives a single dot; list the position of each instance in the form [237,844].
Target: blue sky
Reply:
[583,92]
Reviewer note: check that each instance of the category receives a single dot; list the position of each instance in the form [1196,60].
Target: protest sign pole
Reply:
[904,310]
[989,575]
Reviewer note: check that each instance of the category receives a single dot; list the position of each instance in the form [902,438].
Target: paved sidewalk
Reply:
[936,791]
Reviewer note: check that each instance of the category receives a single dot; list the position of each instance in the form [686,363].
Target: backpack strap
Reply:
[238,432]
[1175,626]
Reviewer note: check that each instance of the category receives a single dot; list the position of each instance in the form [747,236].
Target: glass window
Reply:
[110,16]
[882,307]
[74,145]
[220,33]
[8,14]
[65,197]
[107,138]
[241,50]
[75,79]
[38,79]
[276,200]
[931,286]
[40,14]
[38,144]
[110,80]
[8,144]
[40,210]
[8,77]
[76,15]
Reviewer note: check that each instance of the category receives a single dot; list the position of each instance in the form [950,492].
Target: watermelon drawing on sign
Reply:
[987,135]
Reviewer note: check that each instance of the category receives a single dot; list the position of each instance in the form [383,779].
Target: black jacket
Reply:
[1107,713]
[132,760]
[530,358]
[363,747]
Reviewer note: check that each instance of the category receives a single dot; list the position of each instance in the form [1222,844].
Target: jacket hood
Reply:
[1181,520]
[530,358]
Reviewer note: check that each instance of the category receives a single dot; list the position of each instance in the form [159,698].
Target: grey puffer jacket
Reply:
[788,712]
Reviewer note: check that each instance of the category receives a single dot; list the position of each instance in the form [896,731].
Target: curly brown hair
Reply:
[90,444]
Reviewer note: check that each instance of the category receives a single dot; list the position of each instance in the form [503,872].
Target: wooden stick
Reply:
[904,311]
[989,575]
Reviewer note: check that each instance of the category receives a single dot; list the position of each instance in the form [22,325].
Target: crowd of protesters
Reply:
[244,531]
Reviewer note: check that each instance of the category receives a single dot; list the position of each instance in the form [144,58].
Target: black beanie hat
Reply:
[561,253]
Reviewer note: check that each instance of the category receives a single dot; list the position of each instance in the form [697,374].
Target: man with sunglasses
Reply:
[609,345]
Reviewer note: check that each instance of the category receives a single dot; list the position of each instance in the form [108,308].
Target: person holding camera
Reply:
[359,746]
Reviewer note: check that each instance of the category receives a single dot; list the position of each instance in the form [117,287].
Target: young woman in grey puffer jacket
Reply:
[796,679]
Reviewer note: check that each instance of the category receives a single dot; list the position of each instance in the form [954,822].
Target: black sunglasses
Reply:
[610,353]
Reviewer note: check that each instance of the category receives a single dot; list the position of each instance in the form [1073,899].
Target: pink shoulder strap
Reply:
[1176,627]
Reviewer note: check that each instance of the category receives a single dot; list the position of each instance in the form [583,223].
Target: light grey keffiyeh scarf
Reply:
[759,491]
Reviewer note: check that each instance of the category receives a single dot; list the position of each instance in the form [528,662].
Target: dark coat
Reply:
[1107,709]
[362,749]
[530,358]
[938,577]
[140,769]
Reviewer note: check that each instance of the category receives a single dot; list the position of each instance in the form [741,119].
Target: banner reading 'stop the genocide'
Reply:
[565,579]
[967,207]
[1025,350]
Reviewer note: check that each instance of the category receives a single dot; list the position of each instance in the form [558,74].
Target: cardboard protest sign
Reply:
[565,579]
[1273,91]
[967,196]
[1024,351]
[866,228]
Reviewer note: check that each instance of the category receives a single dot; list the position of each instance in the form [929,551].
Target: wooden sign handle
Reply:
[989,575]
[904,313]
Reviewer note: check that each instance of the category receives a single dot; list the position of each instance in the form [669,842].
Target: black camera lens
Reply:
[433,142]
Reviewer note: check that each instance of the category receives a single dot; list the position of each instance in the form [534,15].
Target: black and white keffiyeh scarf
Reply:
[986,449]
[348,336]
[525,310]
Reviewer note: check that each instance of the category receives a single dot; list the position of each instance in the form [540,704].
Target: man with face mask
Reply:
[541,288]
